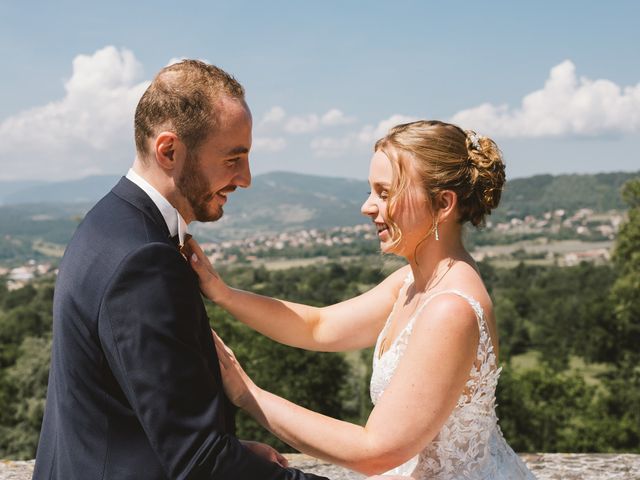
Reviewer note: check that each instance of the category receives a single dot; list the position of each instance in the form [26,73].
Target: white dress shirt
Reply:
[173,219]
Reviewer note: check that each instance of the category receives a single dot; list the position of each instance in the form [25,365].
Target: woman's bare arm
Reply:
[420,397]
[349,325]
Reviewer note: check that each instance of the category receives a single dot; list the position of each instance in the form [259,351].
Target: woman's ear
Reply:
[446,203]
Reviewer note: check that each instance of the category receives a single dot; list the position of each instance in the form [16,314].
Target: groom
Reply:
[134,389]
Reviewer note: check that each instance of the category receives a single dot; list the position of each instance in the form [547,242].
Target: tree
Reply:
[26,385]
[625,292]
[539,409]
[318,381]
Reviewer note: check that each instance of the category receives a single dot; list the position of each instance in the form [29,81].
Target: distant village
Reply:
[585,226]
[584,223]
[18,277]
[589,237]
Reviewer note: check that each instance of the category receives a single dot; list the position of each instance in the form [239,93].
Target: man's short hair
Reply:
[181,99]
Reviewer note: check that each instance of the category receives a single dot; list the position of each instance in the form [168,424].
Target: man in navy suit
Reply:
[135,390]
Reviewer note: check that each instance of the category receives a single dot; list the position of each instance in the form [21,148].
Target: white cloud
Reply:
[371,133]
[335,117]
[300,124]
[365,137]
[83,133]
[274,116]
[173,60]
[268,144]
[332,146]
[566,105]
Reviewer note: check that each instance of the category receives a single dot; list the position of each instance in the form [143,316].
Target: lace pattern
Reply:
[470,444]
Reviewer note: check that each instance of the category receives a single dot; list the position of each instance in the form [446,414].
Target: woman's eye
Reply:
[383,194]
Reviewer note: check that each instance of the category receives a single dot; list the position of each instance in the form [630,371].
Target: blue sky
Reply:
[556,84]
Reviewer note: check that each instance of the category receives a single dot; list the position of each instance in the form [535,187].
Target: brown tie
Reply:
[184,248]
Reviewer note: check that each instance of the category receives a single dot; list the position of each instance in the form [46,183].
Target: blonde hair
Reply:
[445,157]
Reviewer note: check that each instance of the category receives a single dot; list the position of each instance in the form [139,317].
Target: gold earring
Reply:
[436,228]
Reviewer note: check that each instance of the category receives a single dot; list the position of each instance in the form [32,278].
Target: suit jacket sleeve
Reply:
[151,331]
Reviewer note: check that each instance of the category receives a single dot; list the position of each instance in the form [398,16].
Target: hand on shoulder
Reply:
[211,284]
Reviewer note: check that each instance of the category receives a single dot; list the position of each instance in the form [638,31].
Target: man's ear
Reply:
[169,150]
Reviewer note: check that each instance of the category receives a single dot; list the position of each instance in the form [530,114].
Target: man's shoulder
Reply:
[110,232]
[121,222]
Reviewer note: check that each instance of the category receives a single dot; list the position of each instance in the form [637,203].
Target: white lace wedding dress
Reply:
[470,444]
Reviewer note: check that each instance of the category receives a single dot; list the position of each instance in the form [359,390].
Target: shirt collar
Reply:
[173,219]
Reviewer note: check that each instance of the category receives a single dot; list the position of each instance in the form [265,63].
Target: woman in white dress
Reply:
[435,364]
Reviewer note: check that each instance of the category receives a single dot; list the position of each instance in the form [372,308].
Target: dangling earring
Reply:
[436,231]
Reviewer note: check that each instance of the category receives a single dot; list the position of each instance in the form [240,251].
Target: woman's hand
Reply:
[237,385]
[266,451]
[211,285]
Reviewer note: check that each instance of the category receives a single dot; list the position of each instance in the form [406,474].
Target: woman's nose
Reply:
[369,208]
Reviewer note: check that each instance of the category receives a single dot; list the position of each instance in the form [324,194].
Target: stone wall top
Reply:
[545,466]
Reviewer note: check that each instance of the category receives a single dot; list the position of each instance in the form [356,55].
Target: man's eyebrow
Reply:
[237,151]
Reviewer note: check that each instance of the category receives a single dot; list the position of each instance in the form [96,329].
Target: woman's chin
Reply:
[388,248]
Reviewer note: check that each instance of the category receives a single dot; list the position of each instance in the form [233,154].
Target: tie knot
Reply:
[175,239]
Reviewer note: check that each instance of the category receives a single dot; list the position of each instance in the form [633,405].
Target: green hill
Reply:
[542,193]
[280,201]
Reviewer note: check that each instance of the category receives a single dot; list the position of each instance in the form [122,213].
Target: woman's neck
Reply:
[433,259]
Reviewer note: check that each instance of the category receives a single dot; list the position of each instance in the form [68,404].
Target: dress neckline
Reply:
[475,305]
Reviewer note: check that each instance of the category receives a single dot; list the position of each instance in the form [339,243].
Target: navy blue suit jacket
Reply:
[134,388]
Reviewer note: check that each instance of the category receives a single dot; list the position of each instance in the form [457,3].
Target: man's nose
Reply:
[243,179]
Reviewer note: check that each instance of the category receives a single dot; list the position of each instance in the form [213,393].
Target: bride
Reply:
[435,365]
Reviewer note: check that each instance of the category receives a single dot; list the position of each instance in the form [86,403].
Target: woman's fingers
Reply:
[194,247]
[224,352]
[281,459]
[198,260]
[211,285]
[219,343]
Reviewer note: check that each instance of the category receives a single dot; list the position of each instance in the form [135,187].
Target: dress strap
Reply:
[486,350]
[475,305]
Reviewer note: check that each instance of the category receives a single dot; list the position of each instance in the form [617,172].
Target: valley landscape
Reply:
[557,258]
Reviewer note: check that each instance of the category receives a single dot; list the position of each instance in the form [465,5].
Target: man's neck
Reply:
[153,179]
[163,184]
[172,216]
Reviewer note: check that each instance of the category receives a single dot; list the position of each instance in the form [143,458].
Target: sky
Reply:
[555,84]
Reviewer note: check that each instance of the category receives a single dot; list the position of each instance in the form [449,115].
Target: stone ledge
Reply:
[545,466]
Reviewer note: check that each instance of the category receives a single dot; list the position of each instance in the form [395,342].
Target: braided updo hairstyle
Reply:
[445,157]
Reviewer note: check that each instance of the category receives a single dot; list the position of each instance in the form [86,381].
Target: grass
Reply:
[589,371]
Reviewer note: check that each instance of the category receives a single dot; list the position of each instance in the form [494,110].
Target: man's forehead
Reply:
[230,106]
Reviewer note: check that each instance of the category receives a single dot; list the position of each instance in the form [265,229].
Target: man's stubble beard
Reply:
[193,186]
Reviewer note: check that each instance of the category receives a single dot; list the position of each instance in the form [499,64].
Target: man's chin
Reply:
[206,216]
